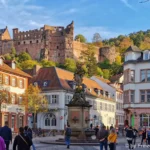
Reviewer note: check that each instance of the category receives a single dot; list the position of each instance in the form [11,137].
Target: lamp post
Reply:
[18,110]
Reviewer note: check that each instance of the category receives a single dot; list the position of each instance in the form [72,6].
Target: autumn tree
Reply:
[81,38]
[28,64]
[47,63]
[35,101]
[70,64]
[4,98]
[88,57]
[23,57]
[96,38]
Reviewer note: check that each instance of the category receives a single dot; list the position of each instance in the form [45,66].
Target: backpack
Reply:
[68,132]
[148,134]
[134,133]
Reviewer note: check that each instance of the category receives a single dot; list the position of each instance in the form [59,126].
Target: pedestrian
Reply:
[148,136]
[102,137]
[28,132]
[111,127]
[129,137]
[96,130]
[91,125]
[6,134]
[2,144]
[22,141]
[67,136]
[112,138]
[143,136]
[135,132]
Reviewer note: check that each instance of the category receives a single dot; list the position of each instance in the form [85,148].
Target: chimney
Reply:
[36,69]
[13,64]
[1,60]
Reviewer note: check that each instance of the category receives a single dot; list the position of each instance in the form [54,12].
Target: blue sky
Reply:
[110,18]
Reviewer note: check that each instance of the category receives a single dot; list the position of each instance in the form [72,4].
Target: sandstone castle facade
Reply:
[49,42]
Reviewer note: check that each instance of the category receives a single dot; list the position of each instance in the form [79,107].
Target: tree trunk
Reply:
[34,120]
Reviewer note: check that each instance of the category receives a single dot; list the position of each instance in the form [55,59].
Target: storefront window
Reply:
[145,120]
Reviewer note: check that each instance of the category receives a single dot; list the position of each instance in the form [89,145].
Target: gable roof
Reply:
[103,80]
[133,48]
[2,31]
[116,77]
[6,68]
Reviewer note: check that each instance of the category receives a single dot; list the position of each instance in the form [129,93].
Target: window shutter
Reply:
[57,99]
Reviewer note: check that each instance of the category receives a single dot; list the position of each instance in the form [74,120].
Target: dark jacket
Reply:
[102,134]
[129,134]
[22,145]
[68,132]
[135,133]
[96,130]
[6,134]
[28,133]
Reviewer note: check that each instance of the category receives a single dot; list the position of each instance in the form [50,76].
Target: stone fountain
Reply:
[79,109]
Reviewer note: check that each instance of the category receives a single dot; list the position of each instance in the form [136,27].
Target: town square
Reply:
[74,75]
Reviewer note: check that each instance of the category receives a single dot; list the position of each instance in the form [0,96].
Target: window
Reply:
[146,56]
[148,95]
[48,97]
[18,43]
[21,83]
[20,100]
[57,47]
[94,105]
[148,75]
[50,120]
[24,42]
[145,75]
[55,99]
[6,80]
[145,120]
[142,93]
[113,109]
[13,81]
[37,41]
[132,96]
[105,106]
[68,99]
[132,75]
[20,121]
[30,42]
[100,106]
[13,98]
[109,107]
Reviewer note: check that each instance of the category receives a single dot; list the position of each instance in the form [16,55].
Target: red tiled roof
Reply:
[102,79]
[115,77]
[16,71]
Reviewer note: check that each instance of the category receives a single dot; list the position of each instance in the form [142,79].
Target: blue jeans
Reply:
[67,140]
[103,144]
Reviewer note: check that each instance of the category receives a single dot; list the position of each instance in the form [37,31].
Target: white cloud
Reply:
[35,24]
[33,7]
[126,3]
[70,11]
[88,32]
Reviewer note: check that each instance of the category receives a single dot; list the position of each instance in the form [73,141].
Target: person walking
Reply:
[28,132]
[135,132]
[112,138]
[96,130]
[129,137]
[91,126]
[143,136]
[148,136]
[22,141]
[102,137]
[2,144]
[67,136]
[6,134]
[111,127]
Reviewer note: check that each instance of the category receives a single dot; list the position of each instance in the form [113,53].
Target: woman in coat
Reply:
[112,138]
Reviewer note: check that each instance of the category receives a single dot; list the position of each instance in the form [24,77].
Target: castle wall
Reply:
[5,46]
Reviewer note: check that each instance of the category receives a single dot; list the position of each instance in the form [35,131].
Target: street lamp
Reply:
[19,110]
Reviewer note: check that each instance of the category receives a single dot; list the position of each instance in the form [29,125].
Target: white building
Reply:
[58,85]
[137,87]
[116,93]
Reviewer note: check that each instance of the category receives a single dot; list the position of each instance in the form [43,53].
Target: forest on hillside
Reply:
[141,39]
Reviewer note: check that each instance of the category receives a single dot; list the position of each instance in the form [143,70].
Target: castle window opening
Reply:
[37,41]
[18,43]
[24,42]
[57,47]
[30,42]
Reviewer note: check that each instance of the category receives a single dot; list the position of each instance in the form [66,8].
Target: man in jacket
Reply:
[23,142]
[6,134]
[102,137]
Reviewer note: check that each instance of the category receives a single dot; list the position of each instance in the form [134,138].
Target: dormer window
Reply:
[146,55]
